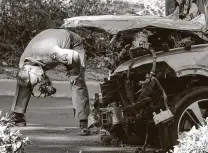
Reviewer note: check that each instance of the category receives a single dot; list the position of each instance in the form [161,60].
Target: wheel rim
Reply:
[192,116]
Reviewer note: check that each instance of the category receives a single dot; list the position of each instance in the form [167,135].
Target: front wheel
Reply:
[190,110]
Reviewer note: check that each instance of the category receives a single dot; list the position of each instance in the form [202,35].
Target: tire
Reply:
[187,104]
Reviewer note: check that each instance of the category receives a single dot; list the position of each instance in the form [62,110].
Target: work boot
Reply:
[17,118]
[84,129]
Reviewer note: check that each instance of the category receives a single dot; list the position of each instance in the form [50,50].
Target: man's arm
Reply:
[82,54]
[68,57]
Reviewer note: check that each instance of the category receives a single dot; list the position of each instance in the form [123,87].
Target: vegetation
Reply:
[11,140]
[21,20]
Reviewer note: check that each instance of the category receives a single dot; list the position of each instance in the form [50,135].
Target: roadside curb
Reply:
[7,88]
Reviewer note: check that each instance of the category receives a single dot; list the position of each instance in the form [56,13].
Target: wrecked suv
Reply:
[158,86]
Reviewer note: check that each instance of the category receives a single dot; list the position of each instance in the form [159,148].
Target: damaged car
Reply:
[158,86]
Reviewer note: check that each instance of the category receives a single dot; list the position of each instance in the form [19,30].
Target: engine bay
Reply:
[133,104]
[158,39]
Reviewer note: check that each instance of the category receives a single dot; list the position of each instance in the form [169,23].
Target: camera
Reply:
[182,16]
[47,89]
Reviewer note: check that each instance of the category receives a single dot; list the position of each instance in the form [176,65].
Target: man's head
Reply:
[29,76]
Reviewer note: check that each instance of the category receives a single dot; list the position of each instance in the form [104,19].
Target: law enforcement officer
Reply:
[45,51]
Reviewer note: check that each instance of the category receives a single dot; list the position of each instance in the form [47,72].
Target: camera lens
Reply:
[53,91]
[182,16]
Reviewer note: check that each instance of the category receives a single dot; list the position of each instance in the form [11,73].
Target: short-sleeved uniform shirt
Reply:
[41,46]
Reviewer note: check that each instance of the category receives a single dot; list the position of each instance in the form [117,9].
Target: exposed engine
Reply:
[137,43]
[133,104]
[126,102]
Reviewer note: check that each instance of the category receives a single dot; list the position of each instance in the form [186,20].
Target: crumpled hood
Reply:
[116,23]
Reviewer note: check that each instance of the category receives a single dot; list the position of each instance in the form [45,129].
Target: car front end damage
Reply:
[142,98]
[157,89]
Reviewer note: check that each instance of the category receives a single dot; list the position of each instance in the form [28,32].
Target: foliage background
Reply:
[21,20]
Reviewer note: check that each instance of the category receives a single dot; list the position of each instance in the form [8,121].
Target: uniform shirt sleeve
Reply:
[77,45]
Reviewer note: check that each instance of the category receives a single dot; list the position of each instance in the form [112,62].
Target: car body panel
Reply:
[183,62]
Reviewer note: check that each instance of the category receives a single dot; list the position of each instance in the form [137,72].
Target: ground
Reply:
[52,128]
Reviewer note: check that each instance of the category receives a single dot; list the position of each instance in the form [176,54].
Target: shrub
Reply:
[195,141]
[21,20]
[11,141]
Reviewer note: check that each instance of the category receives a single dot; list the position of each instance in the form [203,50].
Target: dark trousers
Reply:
[80,97]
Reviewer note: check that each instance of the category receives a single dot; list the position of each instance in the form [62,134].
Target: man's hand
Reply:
[72,76]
